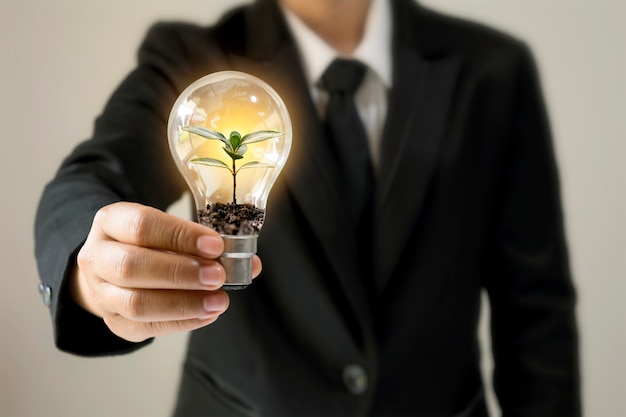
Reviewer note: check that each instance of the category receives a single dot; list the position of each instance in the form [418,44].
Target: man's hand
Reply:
[148,273]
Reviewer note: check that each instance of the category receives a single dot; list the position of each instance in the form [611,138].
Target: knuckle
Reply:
[100,217]
[139,225]
[178,306]
[182,310]
[159,328]
[124,265]
[105,214]
[85,259]
[178,237]
[175,272]
[133,304]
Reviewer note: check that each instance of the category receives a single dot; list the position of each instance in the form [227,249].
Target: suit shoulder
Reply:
[473,40]
[175,38]
[189,40]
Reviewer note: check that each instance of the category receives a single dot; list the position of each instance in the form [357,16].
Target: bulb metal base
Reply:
[237,260]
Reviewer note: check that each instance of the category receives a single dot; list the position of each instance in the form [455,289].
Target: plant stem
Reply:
[234,183]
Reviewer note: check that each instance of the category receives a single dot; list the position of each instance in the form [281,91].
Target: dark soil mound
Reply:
[232,219]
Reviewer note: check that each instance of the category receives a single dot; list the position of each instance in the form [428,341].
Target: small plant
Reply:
[235,147]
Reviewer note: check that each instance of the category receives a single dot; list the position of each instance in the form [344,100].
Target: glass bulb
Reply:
[230,135]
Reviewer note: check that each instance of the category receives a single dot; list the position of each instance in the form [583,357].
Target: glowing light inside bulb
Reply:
[230,102]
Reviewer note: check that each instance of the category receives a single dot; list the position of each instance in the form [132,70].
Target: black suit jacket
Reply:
[467,199]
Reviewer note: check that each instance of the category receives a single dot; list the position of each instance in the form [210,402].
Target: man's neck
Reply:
[339,22]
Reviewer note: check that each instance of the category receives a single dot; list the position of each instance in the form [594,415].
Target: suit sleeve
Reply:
[127,159]
[534,335]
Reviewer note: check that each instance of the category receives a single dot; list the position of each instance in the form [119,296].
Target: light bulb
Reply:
[230,135]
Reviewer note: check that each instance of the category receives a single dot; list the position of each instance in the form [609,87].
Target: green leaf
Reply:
[235,139]
[212,162]
[233,155]
[260,136]
[255,164]
[242,150]
[206,133]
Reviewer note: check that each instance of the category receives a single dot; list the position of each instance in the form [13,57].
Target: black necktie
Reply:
[347,137]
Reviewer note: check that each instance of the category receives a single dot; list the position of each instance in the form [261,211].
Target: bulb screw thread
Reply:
[237,260]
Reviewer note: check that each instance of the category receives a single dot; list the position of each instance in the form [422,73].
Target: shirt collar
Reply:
[374,49]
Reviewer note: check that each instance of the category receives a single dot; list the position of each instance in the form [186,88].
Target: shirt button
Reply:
[355,379]
[46,294]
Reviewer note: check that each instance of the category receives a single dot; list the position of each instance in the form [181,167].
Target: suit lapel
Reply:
[418,108]
[416,123]
[310,173]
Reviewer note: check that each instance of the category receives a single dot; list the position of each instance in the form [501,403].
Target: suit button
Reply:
[46,294]
[355,379]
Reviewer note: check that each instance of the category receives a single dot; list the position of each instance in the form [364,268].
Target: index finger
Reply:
[148,227]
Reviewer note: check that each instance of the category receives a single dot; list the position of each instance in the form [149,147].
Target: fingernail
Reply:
[212,275]
[210,245]
[214,304]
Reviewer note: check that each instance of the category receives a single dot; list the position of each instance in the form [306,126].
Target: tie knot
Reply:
[343,76]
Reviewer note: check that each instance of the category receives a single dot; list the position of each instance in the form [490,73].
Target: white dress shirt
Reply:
[374,50]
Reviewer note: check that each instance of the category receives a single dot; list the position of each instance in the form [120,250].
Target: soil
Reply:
[232,219]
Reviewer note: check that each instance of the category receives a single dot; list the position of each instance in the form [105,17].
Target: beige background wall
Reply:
[59,60]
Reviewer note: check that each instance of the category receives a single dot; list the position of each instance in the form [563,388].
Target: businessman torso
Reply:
[465,157]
